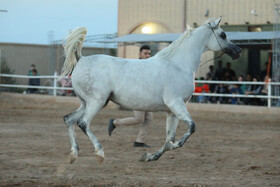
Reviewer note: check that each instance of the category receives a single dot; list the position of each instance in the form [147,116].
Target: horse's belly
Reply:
[135,102]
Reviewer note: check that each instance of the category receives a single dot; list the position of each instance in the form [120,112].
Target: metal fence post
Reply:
[54,84]
[269,93]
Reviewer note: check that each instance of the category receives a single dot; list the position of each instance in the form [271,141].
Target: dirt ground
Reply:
[232,146]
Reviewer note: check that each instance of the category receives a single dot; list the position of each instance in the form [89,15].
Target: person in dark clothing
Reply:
[221,89]
[33,82]
[235,90]
[220,71]
[211,74]
[229,73]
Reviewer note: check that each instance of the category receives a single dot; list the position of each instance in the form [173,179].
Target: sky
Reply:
[30,21]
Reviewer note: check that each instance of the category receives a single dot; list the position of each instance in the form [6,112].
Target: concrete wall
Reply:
[234,12]
[19,57]
[174,15]
[46,58]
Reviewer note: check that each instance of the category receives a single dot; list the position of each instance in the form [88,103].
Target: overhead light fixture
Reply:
[146,30]
[254,29]
[253,12]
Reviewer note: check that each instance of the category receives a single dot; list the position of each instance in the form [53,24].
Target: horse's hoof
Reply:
[100,159]
[100,156]
[72,158]
[145,157]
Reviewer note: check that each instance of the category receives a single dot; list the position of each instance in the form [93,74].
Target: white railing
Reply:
[54,87]
[269,97]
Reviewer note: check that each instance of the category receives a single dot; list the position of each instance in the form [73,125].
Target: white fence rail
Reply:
[269,95]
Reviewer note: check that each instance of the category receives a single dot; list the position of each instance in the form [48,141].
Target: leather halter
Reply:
[222,51]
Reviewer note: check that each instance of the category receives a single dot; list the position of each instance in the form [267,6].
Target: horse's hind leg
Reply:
[171,126]
[70,120]
[92,108]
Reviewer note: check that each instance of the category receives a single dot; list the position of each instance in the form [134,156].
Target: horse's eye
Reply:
[223,35]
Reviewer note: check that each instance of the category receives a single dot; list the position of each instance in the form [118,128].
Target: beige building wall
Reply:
[131,14]
[19,57]
[174,15]
[233,12]
[165,12]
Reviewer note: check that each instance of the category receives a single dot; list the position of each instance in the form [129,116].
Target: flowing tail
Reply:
[73,50]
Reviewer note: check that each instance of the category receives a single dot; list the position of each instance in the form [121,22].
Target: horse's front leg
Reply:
[179,108]
[171,127]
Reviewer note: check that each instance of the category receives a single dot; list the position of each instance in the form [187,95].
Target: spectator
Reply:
[241,86]
[234,91]
[221,89]
[140,117]
[211,99]
[201,88]
[249,78]
[264,90]
[33,82]
[229,73]
[220,71]
[253,89]
[30,72]
[211,73]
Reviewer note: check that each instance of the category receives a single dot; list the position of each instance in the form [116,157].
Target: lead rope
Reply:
[221,54]
[222,51]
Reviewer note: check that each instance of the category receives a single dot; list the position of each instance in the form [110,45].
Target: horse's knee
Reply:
[67,119]
[82,124]
[70,118]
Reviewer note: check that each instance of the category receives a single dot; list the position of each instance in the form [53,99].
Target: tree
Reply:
[5,69]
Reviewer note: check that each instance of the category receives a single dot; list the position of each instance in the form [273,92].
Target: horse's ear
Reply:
[215,24]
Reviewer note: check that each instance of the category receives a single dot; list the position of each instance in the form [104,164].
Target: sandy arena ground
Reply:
[232,146]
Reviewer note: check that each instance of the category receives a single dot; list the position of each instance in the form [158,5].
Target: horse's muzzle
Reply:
[233,51]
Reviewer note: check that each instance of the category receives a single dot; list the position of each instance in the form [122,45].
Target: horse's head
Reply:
[218,40]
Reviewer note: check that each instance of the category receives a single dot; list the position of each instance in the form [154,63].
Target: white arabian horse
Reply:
[164,82]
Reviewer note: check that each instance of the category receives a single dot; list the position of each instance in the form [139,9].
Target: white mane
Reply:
[166,52]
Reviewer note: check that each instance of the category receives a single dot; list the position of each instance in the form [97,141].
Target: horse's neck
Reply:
[188,54]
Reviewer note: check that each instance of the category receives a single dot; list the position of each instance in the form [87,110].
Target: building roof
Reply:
[237,37]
